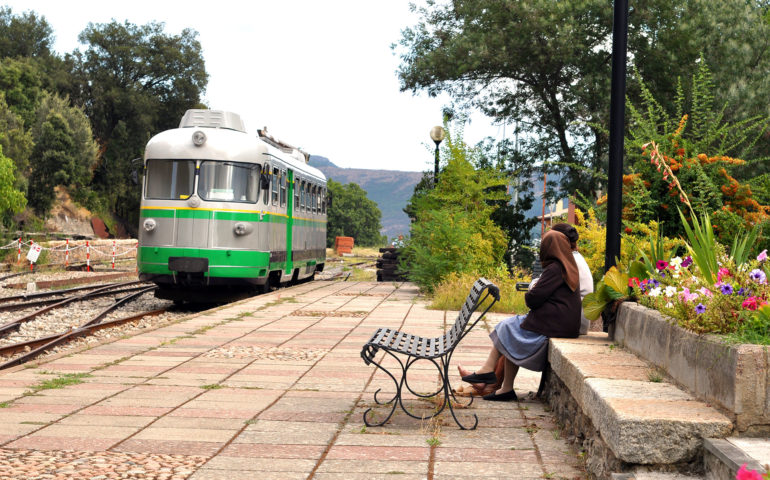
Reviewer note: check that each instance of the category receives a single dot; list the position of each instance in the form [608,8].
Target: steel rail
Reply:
[14,324]
[40,303]
[27,296]
[45,343]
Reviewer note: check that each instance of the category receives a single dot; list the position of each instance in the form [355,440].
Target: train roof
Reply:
[221,137]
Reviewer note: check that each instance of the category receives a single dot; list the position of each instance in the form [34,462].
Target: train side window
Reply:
[307,198]
[312,198]
[318,201]
[302,196]
[266,191]
[276,180]
[284,179]
[323,201]
[296,194]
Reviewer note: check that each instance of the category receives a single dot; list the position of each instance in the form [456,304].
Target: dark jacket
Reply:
[554,308]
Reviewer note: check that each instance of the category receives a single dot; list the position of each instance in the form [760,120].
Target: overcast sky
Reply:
[319,74]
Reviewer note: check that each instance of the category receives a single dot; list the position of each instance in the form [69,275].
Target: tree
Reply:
[133,82]
[11,200]
[453,230]
[55,157]
[546,65]
[21,81]
[85,150]
[352,214]
[25,35]
[16,142]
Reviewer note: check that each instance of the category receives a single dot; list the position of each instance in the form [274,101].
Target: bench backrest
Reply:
[472,302]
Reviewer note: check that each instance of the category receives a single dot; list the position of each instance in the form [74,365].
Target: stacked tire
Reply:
[387,266]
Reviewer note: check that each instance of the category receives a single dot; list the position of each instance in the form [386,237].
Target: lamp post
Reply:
[437,134]
[617,113]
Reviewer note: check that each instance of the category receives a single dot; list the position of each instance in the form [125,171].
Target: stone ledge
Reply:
[736,378]
[642,422]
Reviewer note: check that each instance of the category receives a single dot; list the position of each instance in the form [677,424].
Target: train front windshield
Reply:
[229,181]
[169,179]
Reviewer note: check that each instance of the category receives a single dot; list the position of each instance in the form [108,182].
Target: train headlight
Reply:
[149,225]
[242,228]
[198,138]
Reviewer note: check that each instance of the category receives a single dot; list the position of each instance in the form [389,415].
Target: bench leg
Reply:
[449,396]
[395,400]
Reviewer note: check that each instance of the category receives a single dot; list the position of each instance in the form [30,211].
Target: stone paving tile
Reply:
[224,464]
[62,443]
[257,450]
[168,447]
[209,474]
[231,424]
[181,434]
[106,420]
[378,467]
[463,469]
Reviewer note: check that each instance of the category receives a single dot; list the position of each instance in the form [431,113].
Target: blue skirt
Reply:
[522,347]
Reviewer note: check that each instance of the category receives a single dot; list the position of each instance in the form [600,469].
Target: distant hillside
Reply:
[391,189]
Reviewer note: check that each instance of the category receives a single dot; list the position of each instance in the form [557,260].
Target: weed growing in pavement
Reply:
[206,328]
[251,421]
[395,472]
[112,363]
[363,429]
[532,429]
[245,314]
[433,441]
[33,423]
[251,388]
[549,475]
[612,347]
[654,375]
[213,386]
[174,340]
[556,434]
[5,404]
[61,381]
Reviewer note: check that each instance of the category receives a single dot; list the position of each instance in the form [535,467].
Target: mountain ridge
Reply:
[390,189]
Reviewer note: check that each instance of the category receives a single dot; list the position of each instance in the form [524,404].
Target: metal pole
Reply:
[617,114]
[435,168]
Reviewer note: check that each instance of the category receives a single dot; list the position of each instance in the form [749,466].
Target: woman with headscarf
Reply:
[555,308]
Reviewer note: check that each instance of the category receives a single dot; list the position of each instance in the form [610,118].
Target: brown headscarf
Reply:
[555,247]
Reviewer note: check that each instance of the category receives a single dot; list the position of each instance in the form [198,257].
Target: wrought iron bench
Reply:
[436,349]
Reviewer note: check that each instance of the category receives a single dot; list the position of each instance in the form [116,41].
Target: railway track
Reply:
[38,346]
[47,334]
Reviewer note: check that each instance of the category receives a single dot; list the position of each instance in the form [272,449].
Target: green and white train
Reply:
[223,210]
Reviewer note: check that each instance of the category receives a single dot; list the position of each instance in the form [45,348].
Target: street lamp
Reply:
[437,134]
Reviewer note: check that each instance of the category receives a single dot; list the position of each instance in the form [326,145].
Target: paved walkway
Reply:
[273,388]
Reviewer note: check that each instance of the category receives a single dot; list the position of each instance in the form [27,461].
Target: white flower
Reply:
[655,292]
[669,305]
[670,291]
[676,261]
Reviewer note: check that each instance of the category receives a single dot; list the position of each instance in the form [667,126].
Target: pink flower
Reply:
[723,272]
[661,265]
[746,474]
[705,291]
[688,296]
[762,256]
[750,303]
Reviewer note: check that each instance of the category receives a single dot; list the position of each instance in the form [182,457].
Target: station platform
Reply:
[272,387]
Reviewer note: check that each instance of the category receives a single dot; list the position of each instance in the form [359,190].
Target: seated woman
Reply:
[555,308]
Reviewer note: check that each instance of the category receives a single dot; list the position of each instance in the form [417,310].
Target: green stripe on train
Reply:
[226,216]
[238,264]
[222,263]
